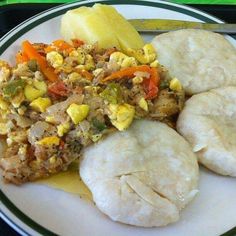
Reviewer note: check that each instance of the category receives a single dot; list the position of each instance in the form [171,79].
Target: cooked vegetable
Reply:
[127,72]
[40,104]
[77,113]
[143,104]
[151,84]
[13,87]
[33,66]
[145,55]
[100,24]
[31,53]
[84,23]
[60,45]
[21,57]
[3,104]
[121,115]
[63,129]
[55,59]
[122,60]
[58,89]
[48,115]
[35,90]
[112,93]
[48,141]
[98,125]
[127,36]
[175,85]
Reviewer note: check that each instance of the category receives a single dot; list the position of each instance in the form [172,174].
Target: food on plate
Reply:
[61,97]
[143,176]
[201,60]
[208,123]
[100,24]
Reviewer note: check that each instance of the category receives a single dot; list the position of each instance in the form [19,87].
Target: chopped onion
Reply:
[142,74]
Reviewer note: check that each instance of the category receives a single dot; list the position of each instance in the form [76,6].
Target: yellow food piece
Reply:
[79,54]
[121,116]
[40,104]
[22,150]
[5,71]
[96,137]
[73,77]
[88,63]
[77,112]
[154,63]
[21,110]
[143,104]
[50,119]
[97,71]
[123,60]
[17,100]
[145,55]
[49,141]
[52,159]
[63,129]
[35,90]
[55,59]
[100,24]
[137,80]
[3,104]
[125,33]
[175,85]
[15,137]
[85,24]
[3,129]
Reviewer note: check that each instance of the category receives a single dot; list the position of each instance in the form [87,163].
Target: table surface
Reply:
[224,12]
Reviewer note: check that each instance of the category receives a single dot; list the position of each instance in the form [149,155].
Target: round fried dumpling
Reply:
[143,176]
[200,59]
[208,122]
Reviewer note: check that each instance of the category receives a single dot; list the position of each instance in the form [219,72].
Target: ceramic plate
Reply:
[34,209]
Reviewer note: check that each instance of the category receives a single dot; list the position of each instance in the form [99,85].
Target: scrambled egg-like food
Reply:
[68,96]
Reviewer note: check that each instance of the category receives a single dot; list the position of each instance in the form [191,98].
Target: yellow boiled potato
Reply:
[87,25]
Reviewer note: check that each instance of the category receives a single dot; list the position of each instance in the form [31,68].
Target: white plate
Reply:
[39,210]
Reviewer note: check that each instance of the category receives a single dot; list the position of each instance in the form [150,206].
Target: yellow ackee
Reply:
[145,55]
[143,104]
[49,141]
[55,59]
[50,119]
[3,129]
[77,112]
[123,60]
[3,104]
[17,100]
[121,115]
[175,85]
[63,129]
[35,90]
[41,104]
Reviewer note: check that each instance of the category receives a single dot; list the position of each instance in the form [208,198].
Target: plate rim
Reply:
[42,17]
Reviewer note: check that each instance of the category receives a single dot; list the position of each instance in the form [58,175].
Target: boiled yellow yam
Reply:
[87,25]
[100,24]
[126,34]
